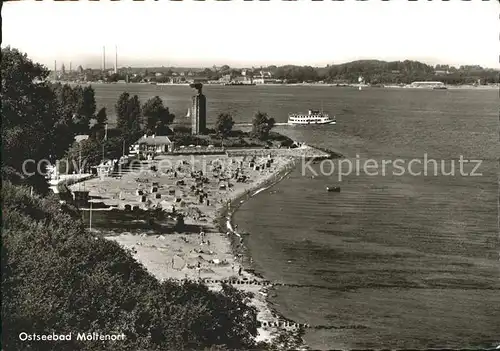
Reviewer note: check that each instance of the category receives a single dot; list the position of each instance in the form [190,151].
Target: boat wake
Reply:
[250,124]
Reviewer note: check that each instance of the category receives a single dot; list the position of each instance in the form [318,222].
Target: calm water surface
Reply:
[390,261]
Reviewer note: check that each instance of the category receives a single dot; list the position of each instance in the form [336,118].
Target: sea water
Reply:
[390,261]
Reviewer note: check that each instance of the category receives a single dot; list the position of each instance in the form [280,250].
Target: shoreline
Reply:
[328,85]
[225,217]
[293,339]
[225,222]
[175,255]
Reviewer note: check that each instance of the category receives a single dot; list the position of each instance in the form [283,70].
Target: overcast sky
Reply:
[244,33]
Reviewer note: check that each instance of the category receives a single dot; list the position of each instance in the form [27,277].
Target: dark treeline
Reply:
[57,277]
[383,72]
[73,111]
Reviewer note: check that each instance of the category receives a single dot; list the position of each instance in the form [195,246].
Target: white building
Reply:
[260,80]
[154,144]
[104,169]
[225,79]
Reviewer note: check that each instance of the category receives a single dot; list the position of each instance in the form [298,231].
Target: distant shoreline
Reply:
[329,85]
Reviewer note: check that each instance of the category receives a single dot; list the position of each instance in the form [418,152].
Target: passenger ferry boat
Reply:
[312,117]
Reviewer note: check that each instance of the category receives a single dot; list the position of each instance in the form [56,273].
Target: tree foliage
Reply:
[98,129]
[90,152]
[56,276]
[77,105]
[157,117]
[82,155]
[262,125]
[87,109]
[293,74]
[224,124]
[379,72]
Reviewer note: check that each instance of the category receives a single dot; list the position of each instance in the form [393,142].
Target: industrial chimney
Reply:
[104,58]
[55,70]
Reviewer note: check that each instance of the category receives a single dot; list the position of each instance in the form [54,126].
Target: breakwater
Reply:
[330,153]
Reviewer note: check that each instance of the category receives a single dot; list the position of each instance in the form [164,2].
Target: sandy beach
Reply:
[205,189]
[351,85]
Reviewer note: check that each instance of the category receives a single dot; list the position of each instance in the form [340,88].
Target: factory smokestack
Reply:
[69,66]
[104,58]
[55,70]
[116,59]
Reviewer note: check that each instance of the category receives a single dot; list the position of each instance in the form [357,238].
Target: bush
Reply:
[262,125]
[188,139]
[224,124]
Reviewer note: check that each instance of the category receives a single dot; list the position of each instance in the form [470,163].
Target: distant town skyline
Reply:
[246,34]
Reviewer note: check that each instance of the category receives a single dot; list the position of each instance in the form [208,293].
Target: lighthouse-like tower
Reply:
[198,111]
